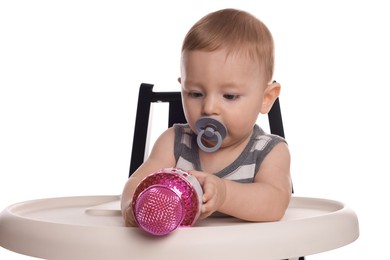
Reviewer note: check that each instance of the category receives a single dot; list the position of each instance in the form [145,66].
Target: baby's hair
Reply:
[238,32]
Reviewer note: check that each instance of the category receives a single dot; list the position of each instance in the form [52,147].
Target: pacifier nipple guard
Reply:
[210,129]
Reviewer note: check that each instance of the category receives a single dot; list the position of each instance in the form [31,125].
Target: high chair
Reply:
[92,228]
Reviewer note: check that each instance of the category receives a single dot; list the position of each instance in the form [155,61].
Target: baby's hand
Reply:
[129,217]
[214,192]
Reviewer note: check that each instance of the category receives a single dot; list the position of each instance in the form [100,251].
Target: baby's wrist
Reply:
[223,193]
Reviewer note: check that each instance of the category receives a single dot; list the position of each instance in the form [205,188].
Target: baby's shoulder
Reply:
[261,139]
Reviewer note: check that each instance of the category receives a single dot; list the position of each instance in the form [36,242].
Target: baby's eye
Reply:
[195,94]
[231,96]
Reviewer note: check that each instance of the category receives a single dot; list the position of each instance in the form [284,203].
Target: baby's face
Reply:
[228,88]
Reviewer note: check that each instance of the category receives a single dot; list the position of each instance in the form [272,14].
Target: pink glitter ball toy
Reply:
[167,199]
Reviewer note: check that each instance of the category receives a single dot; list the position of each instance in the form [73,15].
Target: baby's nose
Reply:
[210,106]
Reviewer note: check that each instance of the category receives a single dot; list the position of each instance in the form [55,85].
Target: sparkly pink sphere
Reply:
[165,200]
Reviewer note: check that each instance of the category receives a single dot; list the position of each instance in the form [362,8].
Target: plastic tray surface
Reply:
[91,227]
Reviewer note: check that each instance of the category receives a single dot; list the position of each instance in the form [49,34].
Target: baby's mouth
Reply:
[211,133]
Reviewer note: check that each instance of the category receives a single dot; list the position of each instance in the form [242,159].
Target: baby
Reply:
[227,64]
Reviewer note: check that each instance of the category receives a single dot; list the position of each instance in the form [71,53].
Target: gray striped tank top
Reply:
[243,169]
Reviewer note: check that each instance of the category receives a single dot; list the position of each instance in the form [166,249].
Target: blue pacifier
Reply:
[210,129]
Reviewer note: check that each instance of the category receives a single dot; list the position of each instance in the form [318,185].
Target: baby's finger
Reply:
[200,176]
[205,212]
[208,190]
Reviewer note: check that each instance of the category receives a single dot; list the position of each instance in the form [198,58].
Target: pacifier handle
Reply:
[210,129]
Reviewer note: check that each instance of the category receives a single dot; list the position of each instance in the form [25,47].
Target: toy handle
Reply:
[209,131]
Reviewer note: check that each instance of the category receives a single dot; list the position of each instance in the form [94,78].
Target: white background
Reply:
[69,78]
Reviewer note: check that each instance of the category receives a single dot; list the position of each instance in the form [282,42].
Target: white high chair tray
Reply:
[91,227]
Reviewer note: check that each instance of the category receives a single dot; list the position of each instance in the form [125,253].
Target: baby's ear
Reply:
[271,93]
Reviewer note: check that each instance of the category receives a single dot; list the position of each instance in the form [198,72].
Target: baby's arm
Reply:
[161,156]
[264,200]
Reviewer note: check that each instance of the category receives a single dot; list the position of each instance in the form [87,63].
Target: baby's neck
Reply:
[216,161]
